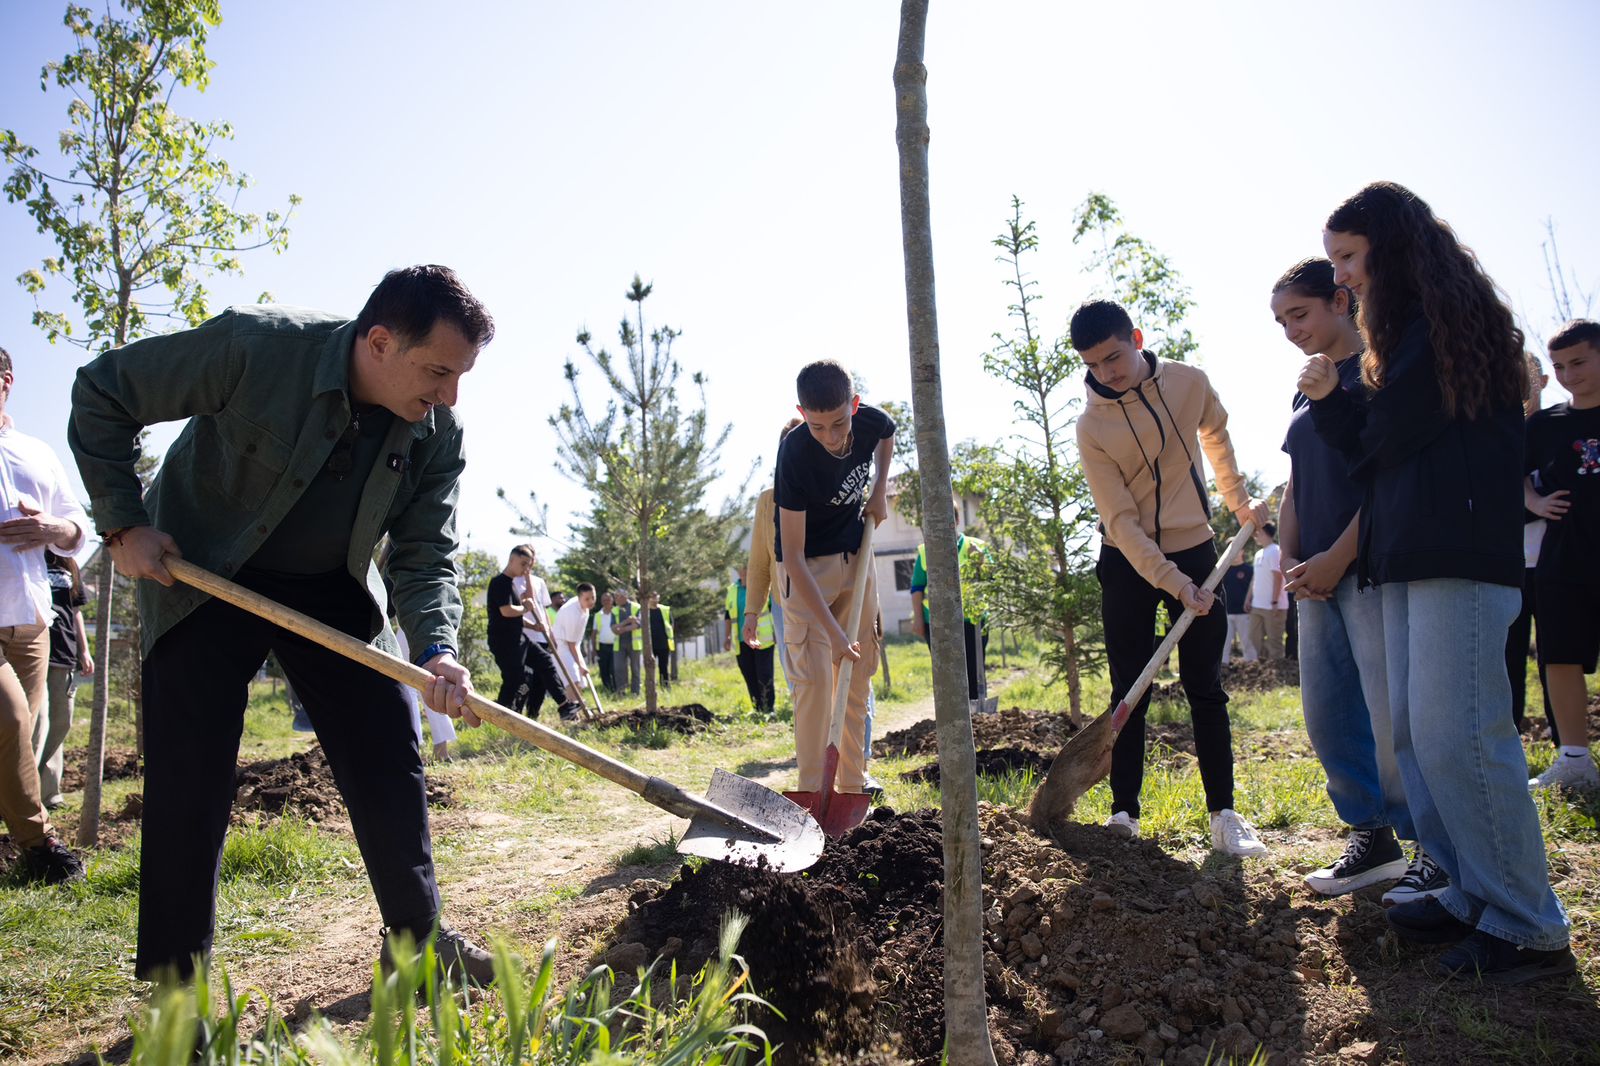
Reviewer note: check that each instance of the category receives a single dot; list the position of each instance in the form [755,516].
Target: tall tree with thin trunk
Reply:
[965,1008]
[141,208]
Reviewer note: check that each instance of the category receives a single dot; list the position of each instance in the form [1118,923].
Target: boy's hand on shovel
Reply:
[841,644]
[447,692]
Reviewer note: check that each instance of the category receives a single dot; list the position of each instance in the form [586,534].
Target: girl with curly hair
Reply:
[1434,435]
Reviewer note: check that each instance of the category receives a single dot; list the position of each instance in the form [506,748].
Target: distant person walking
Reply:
[1236,582]
[1269,603]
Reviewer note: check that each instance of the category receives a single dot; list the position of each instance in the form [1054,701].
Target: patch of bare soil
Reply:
[991,761]
[1042,731]
[688,719]
[119,763]
[303,784]
[1106,950]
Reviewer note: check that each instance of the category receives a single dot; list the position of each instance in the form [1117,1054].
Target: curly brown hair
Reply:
[1415,260]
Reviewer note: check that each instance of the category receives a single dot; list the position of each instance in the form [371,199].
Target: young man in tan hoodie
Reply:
[1140,439]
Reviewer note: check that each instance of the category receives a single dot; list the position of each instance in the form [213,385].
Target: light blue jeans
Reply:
[1344,689]
[1466,779]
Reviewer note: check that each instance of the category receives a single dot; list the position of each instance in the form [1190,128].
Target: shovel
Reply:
[1086,757]
[840,812]
[737,821]
[567,678]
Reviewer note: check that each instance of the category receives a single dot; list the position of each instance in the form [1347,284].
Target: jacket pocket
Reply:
[245,461]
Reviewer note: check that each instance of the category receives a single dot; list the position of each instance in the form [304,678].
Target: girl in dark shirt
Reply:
[1434,436]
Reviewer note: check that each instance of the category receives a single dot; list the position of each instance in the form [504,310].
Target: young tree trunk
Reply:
[94,761]
[1074,680]
[965,1009]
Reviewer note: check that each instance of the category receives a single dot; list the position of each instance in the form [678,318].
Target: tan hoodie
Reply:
[1138,450]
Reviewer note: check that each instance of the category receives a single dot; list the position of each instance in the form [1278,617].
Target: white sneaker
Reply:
[1123,826]
[1568,771]
[1232,834]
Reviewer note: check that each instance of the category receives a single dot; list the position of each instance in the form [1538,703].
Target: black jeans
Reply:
[970,634]
[1128,609]
[603,657]
[527,674]
[1518,637]
[196,686]
[756,666]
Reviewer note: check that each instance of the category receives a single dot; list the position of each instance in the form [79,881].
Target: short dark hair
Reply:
[583,586]
[823,386]
[1095,320]
[1313,277]
[523,550]
[1578,331]
[5,362]
[1270,529]
[410,301]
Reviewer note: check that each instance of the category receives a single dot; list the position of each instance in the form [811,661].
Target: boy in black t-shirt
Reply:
[828,479]
[1563,450]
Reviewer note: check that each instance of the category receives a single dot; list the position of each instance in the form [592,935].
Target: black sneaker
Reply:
[1370,856]
[1425,921]
[1423,879]
[51,863]
[1500,962]
[570,712]
[459,958]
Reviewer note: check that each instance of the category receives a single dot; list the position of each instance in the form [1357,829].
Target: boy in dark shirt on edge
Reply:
[1564,450]
[822,480]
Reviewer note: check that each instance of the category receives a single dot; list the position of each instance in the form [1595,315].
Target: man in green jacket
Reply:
[309,438]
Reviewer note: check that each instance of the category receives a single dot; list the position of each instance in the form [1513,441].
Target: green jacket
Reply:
[971,553]
[264,390]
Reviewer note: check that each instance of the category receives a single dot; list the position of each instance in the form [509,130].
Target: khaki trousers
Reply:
[1266,631]
[812,672]
[24,660]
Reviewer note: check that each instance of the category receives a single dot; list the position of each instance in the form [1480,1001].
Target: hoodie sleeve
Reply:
[1219,447]
[1119,515]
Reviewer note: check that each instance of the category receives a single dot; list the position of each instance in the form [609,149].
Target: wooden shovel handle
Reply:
[662,793]
[1181,626]
[858,596]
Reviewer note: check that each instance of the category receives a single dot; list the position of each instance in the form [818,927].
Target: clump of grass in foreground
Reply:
[518,1023]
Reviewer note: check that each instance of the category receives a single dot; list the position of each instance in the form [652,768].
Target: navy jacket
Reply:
[1443,496]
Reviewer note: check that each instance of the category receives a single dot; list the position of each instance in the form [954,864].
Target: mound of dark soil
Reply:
[993,761]
[119,763]
[688,719]
[1240,676]
[302,784]
[1011,727]
[1102,951]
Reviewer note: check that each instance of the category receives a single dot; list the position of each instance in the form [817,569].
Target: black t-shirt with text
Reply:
[1564,450]
[831,490]
[503,632]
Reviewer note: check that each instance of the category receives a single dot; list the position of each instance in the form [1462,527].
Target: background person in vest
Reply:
[663,641]
[753,618]
[971,554]
[605,643]
[628,659]
[1269,603]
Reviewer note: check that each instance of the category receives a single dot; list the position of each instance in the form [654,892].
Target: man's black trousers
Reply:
[969,631]
[603,657]
[1128,609]
[756,666]
[527,674]
[196,685]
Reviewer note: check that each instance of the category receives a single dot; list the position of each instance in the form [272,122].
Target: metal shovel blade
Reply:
[1083,760]
[800,839]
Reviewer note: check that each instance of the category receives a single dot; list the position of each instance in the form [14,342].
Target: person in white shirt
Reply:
[37,511]
[1269,603]
[534,595]
[605,644]
[571,623]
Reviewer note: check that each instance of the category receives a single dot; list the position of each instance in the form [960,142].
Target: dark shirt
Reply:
[1236,581]
[658,632]
[1563,447]
[504,633]
[1442,495]
[829,489]
[64,603]
[1326,497]
[314,537]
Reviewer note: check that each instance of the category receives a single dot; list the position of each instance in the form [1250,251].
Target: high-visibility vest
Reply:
[625,641]
[763,621]
[964,548]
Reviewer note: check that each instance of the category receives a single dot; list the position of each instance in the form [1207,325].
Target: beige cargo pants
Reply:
[811,670]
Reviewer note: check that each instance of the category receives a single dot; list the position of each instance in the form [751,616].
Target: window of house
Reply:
[902,574]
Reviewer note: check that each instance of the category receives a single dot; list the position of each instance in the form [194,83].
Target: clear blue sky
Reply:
[742,157]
